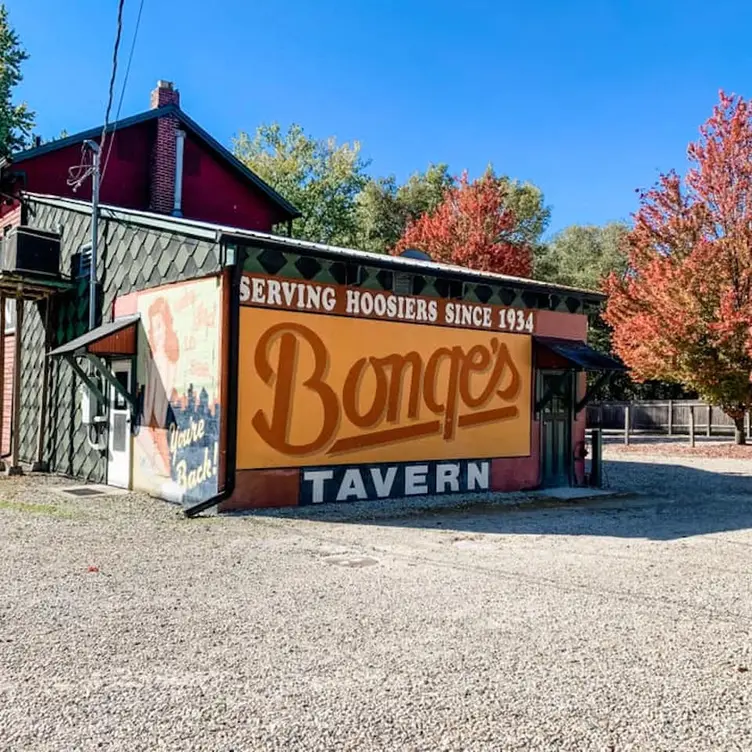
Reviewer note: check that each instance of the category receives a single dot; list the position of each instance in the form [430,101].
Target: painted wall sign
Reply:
[361,483]
[313,297]
[319,390]
[176,450]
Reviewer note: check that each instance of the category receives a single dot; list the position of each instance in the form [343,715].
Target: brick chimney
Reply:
[162,195]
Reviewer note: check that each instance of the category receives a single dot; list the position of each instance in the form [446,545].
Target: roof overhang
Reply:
[580,355]
[118,338]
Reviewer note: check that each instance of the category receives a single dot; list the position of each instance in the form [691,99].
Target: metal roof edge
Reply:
[240,236]
[204,231]
[428,267]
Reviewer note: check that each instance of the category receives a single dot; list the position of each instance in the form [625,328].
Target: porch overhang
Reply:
[580,357]
[117,339]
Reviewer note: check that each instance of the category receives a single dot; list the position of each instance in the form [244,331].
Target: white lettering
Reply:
[383,484]
[366,303]
[258,291]
[467,315]
[316,478]
[415,480]
[477,476]
[487,318]
[314,297]
[273,289]
[477,316]
[391,307]
[353,302]
[288,291]
[379,305]
[329,298]
[422,310]
[447,475]
[352,485]
[449,313]
[245,289]
[433,310]
[410,309]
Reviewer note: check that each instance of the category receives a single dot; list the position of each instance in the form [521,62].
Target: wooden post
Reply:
[626,425]
[2,377]
[670,417]
[41,465]
[748,424]
[710,420]
[15,468]
[692,425]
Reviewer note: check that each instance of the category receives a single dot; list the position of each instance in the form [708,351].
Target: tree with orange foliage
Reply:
[683,311]
[475,226]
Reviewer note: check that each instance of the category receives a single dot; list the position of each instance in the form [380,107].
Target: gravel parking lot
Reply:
[617,625]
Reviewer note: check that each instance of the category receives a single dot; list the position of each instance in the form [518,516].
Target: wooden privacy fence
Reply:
[668,417]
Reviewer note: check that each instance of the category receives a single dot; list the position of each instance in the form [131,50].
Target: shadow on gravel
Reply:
[672,501]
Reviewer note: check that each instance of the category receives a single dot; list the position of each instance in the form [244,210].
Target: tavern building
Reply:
[234,368]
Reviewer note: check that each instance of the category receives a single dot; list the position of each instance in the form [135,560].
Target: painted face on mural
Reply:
[162,337]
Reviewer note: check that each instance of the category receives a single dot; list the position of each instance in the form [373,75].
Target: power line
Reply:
[111,94]
[125,83]
[79,173]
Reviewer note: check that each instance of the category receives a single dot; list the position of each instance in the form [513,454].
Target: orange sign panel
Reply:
[327,390]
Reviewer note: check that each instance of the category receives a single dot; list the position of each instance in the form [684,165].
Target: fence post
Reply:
[749,423]
[710,420]
[691,425]
[626,424]
[596,472]
[670,417]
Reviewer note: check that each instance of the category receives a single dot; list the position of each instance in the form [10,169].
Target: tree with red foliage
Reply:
[474,226]
[683,311]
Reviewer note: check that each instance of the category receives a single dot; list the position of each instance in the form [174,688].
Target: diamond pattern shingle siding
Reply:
[131,257]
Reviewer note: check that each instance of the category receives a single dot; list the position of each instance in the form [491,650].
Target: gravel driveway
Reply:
[613,626]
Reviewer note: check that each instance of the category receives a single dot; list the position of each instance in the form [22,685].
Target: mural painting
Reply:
[370,405]
[176,446]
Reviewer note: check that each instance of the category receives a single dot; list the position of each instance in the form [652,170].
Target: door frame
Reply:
[121,365]
[570,395]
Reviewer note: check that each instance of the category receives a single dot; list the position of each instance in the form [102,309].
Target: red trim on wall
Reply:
[259,489]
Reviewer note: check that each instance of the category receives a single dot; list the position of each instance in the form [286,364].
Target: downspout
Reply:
[232,365]
[177,208]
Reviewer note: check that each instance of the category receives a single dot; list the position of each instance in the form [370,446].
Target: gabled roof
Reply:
[189,125]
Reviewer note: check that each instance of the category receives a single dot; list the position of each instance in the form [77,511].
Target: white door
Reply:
[119,465]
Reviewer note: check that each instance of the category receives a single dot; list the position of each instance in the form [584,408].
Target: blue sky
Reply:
[589,100]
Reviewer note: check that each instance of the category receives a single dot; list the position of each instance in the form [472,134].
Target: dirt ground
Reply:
[617,625]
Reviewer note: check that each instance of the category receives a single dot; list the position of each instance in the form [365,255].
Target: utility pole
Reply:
[97,152]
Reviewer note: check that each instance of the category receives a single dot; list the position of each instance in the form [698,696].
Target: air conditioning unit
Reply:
[26,250]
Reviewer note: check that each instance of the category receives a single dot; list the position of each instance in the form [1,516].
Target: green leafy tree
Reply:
[582,255]
[385,208]
[16,120]
[320,177]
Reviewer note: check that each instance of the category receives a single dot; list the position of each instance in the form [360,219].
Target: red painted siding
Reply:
[213,193]
[5,418]
[126,180]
